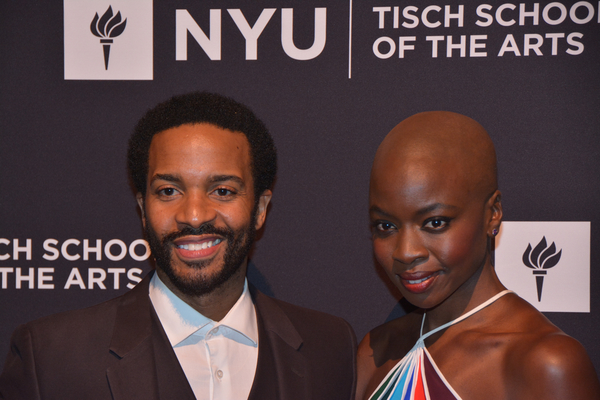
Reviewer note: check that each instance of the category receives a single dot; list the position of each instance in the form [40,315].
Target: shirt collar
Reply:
[180,320]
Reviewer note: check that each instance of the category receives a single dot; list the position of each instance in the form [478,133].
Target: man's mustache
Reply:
[206,228]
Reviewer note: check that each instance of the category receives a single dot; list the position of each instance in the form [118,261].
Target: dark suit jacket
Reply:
[119,350]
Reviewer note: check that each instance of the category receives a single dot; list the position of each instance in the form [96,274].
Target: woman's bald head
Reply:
[440,142]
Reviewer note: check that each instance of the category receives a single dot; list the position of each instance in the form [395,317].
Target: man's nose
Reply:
[409,247]
[195,210]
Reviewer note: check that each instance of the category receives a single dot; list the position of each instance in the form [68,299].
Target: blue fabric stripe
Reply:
[409,388]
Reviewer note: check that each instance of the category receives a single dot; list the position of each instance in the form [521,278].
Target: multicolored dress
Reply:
[416,376]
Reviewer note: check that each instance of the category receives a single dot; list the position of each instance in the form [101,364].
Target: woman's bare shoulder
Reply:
[544,362]
[382,348]
[555,366]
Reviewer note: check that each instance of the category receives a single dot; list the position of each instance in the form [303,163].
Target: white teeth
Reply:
[199,246]
[419,280]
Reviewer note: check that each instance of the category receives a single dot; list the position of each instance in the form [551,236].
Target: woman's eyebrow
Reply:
[434,207]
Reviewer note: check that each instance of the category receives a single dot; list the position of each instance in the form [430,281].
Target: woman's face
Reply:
[430,227]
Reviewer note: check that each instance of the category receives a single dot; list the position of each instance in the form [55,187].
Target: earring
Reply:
[494,232]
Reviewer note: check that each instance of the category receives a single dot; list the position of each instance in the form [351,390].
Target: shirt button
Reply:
[215,331]
[219,374]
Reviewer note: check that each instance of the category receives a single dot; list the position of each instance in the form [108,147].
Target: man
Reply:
[203,167]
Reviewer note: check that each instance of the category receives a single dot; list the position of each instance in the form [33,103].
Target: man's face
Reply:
[429,229]
[199,210]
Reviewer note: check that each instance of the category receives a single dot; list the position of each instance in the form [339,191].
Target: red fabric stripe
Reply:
[419,391]
[435,385]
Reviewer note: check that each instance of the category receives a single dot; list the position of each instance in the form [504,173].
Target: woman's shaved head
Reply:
[447,142]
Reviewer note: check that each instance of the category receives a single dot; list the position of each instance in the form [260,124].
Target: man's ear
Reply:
[140,200]
[261,211]
[494,207]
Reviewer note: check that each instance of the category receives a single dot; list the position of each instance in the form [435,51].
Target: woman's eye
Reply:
[383,226]
[436,223]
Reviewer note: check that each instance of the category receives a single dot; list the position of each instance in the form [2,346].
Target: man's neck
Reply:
[216,304]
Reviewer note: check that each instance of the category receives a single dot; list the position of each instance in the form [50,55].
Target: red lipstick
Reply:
[418,282]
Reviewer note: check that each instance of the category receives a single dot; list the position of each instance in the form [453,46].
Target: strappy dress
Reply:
[416,376]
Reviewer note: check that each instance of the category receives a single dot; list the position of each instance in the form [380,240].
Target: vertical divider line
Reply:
[350,43]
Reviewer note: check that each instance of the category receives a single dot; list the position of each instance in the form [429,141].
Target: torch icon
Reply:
[541,258]
[106,28]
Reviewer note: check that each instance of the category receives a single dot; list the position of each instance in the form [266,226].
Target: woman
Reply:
[434,209]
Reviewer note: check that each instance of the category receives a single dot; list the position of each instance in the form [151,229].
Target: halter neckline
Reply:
[416,376]
[462,317]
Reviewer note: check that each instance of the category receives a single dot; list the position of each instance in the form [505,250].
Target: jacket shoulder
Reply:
[307,321]
[90,321]
[326,344]
[66,353]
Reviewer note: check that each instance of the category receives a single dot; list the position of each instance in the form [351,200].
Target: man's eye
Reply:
[221,192]
[167,192]
[436,223]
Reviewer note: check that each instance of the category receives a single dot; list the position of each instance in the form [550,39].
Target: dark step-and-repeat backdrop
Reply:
[329,79]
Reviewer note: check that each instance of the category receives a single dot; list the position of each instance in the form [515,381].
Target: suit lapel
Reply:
[172,382]
[146,366]
[281,371]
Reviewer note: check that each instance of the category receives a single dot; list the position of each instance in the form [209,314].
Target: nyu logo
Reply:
[211,43]
[132,58]
[540,259]
[126,42]
[107,28]
[562,276]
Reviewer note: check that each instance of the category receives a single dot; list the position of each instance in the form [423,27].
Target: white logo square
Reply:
[108,39]
[546,263]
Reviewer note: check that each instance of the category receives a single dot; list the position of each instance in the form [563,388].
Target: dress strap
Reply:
[462,317]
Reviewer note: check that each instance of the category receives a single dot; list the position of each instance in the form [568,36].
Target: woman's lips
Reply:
[194,249]
[418,282]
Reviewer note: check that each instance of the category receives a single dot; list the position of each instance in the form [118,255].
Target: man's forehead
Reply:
[187,137]
[199,147]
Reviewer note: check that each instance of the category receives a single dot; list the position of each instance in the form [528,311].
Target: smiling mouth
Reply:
[199,246]
[193,249]
[419,283]
[411,282]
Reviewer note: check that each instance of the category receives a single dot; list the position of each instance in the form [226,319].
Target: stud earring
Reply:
[494,232]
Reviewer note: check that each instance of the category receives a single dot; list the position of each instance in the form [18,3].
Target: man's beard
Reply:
[238,244]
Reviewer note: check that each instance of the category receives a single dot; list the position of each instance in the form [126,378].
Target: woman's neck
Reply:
[483,285]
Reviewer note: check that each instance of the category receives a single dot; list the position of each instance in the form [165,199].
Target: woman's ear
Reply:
[494,207]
